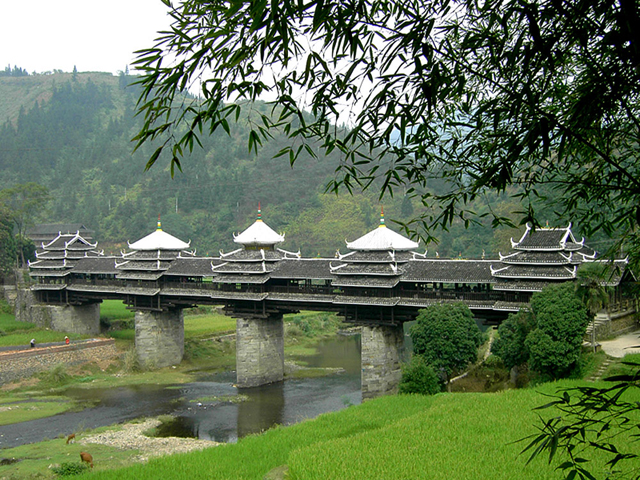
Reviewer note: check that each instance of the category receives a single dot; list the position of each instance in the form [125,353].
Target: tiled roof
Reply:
[70,242]
[197,267]
[243,267]
[521,285]
[303,268]
[448,271]
[384,256]
[149,276]
[259,255]
[534,272]
[364,281]
[143,265]
[547,239]
[375,269]
[97,265]
[539,258]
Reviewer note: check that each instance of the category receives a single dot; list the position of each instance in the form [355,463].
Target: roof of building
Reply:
[159,240]
[547,238]
[448,271]
[382,238]
[53,229]
[259,234]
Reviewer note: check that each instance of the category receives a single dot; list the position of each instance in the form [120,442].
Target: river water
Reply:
[198,415]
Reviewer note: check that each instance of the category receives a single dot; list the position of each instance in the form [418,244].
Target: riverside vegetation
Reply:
[450,436]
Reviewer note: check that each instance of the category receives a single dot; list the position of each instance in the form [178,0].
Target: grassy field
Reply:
[447,436]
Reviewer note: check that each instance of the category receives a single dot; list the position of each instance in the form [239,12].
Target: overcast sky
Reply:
[43,35]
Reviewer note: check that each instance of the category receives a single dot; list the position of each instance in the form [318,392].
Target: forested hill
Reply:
[71,133]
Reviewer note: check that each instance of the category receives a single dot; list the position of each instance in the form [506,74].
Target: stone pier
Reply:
[259,351]
[159,337]
[380,359]
[80,319]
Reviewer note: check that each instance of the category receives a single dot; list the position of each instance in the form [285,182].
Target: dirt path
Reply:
[622,345]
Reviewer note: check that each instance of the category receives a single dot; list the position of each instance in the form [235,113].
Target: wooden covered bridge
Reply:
[380,283]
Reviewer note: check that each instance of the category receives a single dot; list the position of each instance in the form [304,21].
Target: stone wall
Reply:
[20,364]
[160,338]
[381,360]
[259,351]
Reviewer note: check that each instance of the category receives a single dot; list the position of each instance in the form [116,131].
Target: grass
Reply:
[111,310]
[447,436]
[204,325]
[23,412]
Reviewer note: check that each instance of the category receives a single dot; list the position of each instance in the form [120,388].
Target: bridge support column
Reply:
[380,359]
[160,337]
[259,351]
[80,319]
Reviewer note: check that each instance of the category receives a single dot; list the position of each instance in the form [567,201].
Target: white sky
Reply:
[42,35]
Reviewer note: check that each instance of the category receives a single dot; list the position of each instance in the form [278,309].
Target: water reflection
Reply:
[203,409]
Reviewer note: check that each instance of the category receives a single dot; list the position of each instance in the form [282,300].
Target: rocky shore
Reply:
[130,437]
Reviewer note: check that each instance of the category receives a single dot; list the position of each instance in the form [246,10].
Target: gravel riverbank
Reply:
[130,437]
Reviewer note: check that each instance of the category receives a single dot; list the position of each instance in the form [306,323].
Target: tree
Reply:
[561,320]
[510,344]
[543,95]
[8,247]
[591,289]
[24,202]
[447,337]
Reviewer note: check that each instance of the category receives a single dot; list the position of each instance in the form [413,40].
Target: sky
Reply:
[43,35]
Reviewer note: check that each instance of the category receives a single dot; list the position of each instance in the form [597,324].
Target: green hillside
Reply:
[72,133]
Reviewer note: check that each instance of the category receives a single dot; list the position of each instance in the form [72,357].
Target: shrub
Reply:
[419,377]
[69,468]
[56,376]
[131,361]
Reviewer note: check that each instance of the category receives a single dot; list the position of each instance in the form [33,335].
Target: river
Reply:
[197,416]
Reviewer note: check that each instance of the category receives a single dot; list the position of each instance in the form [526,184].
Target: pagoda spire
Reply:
[159,227]
[382,225]
[259,219]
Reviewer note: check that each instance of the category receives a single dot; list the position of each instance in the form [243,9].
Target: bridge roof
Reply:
[96,265]
[303,268]
[547,238]
[448,271]
[159,240]
[382,238]
[259,233]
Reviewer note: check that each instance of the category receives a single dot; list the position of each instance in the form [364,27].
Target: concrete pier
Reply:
[159,338]
[259,351]
[381,355]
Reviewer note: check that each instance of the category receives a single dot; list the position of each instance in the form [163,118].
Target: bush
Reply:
[418,377]
[56,376]
[132,362]
[69,468]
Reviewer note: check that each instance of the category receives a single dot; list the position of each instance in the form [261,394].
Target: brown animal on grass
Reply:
[86,457]
[71,438]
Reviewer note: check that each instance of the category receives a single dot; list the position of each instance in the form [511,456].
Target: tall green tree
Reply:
[24,202]
[8,247]
[447,337]
[540,94]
